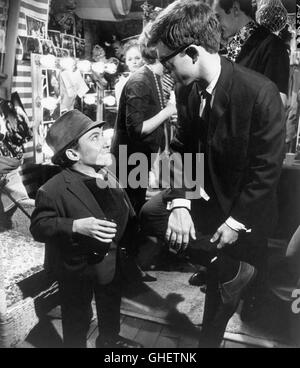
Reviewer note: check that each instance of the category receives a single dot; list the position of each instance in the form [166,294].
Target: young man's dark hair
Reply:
[185,27]
[149,53]
[245,6]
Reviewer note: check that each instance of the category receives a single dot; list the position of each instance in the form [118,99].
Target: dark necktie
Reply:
[207,108]
[204,114]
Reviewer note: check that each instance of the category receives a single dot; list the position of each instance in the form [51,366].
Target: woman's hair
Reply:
[186,22]
[245,6]
[149,53]
[131,44]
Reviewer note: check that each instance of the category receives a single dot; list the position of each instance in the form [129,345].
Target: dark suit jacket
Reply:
[267,54]
[61,200]
[245,143]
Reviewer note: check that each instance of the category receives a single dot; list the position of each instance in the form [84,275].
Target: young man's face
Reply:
[180,66]
[94,149]
[227,21]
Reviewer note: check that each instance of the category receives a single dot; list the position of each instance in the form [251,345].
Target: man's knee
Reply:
[154,217]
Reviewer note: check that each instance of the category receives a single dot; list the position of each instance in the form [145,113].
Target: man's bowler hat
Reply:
[66,130]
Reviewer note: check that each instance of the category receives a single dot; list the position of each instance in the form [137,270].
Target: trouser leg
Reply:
[207,218]
[108,304]
[75,295]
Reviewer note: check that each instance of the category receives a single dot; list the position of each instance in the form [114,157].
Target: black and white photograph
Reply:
[2,41]
[62,53]
[68,43]
[161,178]
[30,45]
[79,48]
[36,27]
[55,37]
[48,47]
[51,94]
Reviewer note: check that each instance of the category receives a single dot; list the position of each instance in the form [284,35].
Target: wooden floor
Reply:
[151,333]
[48,334]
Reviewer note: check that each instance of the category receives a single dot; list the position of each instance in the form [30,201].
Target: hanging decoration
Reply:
[150,12]
[271,14]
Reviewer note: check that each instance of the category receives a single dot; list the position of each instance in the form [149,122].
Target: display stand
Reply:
[46,103]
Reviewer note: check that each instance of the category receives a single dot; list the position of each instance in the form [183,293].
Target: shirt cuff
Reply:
[179,202]
[235,225]
[204,195]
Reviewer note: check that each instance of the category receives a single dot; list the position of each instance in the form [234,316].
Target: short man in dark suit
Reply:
[84,218]
[234,116]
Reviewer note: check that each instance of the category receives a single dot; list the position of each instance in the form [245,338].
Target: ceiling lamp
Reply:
[107,10]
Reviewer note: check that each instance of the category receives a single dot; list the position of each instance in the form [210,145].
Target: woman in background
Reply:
[142,114]
[133,61]
[140,126]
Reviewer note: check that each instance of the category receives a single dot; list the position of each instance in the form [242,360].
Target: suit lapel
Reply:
[221,98]
[82,193]
[115,183]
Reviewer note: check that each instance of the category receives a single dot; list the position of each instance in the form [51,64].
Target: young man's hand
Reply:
[102,230]
[180,229]
[225,235]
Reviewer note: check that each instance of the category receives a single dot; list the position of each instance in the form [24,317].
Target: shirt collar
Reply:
[212,85]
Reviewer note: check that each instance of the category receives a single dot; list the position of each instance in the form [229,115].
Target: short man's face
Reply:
[180,66]
[227,21]
[94,149]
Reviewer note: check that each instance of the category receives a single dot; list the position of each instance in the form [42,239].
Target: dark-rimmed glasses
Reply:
[165,59]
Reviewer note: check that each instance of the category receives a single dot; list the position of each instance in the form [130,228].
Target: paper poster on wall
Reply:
[30,45]
[36,27]
[79,48]
[2,41]
[48,47]
[51,94]
[62,53]
[68,43]
[54,36]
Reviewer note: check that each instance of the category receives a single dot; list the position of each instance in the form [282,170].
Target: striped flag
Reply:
[22,82]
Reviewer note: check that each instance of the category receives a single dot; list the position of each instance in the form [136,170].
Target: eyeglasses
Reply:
[165,59]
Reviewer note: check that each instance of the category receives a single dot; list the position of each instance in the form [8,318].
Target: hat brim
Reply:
[57,155]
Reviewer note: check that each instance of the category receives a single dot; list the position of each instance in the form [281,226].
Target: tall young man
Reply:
[240,129]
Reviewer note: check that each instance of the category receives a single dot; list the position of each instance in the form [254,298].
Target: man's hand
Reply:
[180,229]
[225,235]
[170,109]
[102,230]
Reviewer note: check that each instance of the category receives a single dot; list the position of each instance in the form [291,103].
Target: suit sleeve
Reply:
[265,155]
[181,140]
[277,65]
[138,102]
[46,224]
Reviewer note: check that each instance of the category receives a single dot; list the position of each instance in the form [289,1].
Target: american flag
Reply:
[22,83]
